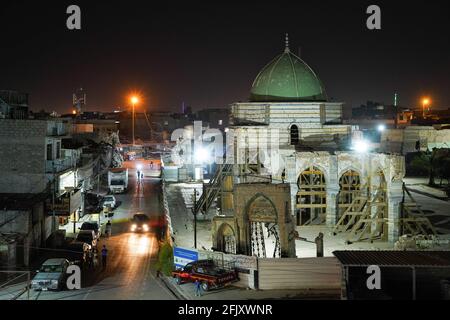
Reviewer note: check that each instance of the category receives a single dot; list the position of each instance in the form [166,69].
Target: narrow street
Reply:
[129,273]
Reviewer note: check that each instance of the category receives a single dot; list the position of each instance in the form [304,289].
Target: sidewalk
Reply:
[420,185]
[180,203]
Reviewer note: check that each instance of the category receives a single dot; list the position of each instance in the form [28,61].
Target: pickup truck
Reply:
[210,275]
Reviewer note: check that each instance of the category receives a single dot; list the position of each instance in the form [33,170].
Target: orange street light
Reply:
[425,103]
[134,99]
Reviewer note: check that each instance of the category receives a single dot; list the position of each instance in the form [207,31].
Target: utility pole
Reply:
[194,211]
[132,121]
[83,194]
[53,203]
[98,192]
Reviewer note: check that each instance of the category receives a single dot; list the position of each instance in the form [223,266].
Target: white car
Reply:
[51,275]
[109,201]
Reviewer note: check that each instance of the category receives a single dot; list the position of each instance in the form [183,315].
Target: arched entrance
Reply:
[226,239]
[264,231]
[350,188]
[311,197]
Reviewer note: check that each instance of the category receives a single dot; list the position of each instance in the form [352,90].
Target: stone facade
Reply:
[315,121]
[261,203]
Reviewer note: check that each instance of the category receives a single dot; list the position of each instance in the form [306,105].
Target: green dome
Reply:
[287,78]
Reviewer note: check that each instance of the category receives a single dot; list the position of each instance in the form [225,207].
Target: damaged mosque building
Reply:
[291,162]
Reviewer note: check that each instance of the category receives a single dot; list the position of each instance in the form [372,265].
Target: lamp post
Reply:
[425,103]
[195,217]
[134,100]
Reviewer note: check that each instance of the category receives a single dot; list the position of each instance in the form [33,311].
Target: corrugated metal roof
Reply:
[394,258]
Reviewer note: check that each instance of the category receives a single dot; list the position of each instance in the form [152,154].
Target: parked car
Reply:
[92,199]
[79,250]
[208,272]
[140,223]
[91,225]
[87,236]
[109,201]
[51,275]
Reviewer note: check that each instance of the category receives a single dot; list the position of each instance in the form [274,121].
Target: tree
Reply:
[165,259]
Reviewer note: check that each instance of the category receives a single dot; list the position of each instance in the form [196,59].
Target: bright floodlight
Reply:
[201,155]
[381,127]
[134,99]
[361,146]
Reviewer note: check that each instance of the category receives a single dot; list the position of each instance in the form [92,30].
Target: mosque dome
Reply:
[287,78]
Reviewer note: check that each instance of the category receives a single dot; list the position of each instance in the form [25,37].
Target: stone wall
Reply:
[279,196]
[404,141]
[335,165]
[22,156]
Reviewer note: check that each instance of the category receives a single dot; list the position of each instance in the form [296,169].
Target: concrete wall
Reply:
[22,156]
[31,226]
[404,141]
[304,274]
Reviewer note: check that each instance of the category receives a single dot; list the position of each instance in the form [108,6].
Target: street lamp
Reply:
[361,146]
[381,127]
[425,102]
[134,100]
[201,155]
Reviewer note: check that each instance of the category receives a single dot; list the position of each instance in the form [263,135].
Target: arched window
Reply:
[294,135]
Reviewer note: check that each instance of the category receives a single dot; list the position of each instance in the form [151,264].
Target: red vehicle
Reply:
[210,275]
[157,222]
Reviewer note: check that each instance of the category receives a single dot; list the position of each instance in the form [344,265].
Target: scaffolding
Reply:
[311,197]
[365,218]
[413,221]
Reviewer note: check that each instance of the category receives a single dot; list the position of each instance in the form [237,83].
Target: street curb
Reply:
[430,195]
[174,289]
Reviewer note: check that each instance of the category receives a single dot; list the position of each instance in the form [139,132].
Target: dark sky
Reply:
[208,53]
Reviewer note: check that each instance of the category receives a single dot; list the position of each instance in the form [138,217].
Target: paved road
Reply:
[128,274]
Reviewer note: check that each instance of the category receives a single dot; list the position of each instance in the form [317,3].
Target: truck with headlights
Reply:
[118,180]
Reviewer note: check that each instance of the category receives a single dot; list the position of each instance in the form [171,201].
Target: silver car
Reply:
[51,275]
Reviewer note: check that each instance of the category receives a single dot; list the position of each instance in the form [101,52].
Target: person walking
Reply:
[95,258]
[104,256]
[198,288]
[108,229]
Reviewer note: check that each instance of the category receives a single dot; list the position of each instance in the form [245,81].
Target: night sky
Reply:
[208,53]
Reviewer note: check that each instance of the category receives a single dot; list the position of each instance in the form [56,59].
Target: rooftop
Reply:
[394,258]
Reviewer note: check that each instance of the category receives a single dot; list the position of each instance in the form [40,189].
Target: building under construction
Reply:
[291,162]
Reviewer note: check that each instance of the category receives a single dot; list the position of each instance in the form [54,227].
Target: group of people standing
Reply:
[91,256]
